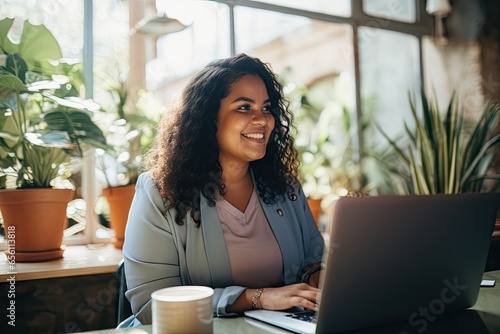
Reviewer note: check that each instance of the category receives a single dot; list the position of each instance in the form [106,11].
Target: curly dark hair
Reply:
[184,158]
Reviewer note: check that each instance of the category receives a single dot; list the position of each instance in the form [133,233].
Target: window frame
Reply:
[423,26]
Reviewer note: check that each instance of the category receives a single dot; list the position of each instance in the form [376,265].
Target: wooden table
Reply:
[484,317]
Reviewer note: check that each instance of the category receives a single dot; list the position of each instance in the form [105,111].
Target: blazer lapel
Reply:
[215,246]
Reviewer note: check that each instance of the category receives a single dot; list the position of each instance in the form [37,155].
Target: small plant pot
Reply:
[119,201]
[315,206]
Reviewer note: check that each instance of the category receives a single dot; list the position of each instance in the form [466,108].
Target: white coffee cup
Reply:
[182,309]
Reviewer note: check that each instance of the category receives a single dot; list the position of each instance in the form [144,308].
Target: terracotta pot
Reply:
[315,206]
[119,201]
[35,219]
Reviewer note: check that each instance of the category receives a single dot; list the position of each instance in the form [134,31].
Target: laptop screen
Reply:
[404,258]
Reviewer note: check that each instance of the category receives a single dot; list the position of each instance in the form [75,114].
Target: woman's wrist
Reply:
[245,301]
[256,304]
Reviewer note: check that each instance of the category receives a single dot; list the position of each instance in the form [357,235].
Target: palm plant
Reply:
[446,154]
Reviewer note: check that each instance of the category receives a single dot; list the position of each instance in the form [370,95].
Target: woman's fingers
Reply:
[288,296]
[307,299]
[303,302]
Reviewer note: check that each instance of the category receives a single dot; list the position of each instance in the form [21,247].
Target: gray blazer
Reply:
[160,253]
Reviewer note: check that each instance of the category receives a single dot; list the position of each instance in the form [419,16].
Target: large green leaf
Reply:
[44,163]
[78,125]
[6,158]
[5,43]
[8,140]
[16,65]
[36,43]
[54,139]
[10,82]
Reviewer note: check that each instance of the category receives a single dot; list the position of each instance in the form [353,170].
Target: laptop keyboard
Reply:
[307,316]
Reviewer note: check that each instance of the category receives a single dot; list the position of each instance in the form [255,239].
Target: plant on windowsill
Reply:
[130,134]
[44,130]
[447,153]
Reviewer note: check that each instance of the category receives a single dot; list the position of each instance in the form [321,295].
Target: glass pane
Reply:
[111,70]
[389,67]
[401,10]
[181,53]
[256,28]
[337,7]
[314,62]
[111,47]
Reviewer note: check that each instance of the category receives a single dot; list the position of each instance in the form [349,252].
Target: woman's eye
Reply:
[244,107]
[267,109]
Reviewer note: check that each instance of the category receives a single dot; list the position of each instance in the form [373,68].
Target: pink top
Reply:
[254,254]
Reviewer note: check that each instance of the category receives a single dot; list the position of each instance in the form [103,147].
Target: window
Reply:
[389,67]
[337,7]
[360,56]
[404,11]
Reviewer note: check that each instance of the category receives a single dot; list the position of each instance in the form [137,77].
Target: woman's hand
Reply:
[285,297]
[281,298]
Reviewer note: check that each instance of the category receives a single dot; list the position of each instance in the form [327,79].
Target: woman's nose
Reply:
[259,117]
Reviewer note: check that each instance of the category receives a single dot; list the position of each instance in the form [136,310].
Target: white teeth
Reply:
[254,135]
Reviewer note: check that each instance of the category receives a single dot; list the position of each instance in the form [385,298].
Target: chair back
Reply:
[123,308]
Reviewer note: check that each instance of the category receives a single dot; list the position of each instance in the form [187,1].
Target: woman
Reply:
[220,204]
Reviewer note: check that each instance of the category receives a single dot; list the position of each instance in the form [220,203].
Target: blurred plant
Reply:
[129,132]
[329,165]
[449,154]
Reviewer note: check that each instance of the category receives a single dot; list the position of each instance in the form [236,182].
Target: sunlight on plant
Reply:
[447,152]
[129,129]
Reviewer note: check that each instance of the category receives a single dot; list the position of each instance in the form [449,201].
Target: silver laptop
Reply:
[390,259]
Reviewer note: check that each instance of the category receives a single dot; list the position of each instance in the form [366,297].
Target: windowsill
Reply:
[76,261]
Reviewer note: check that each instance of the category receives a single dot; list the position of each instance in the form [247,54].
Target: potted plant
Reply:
[130,134]
[447,153]
[44,129]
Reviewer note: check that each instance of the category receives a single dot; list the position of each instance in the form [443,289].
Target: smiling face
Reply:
[245,122]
